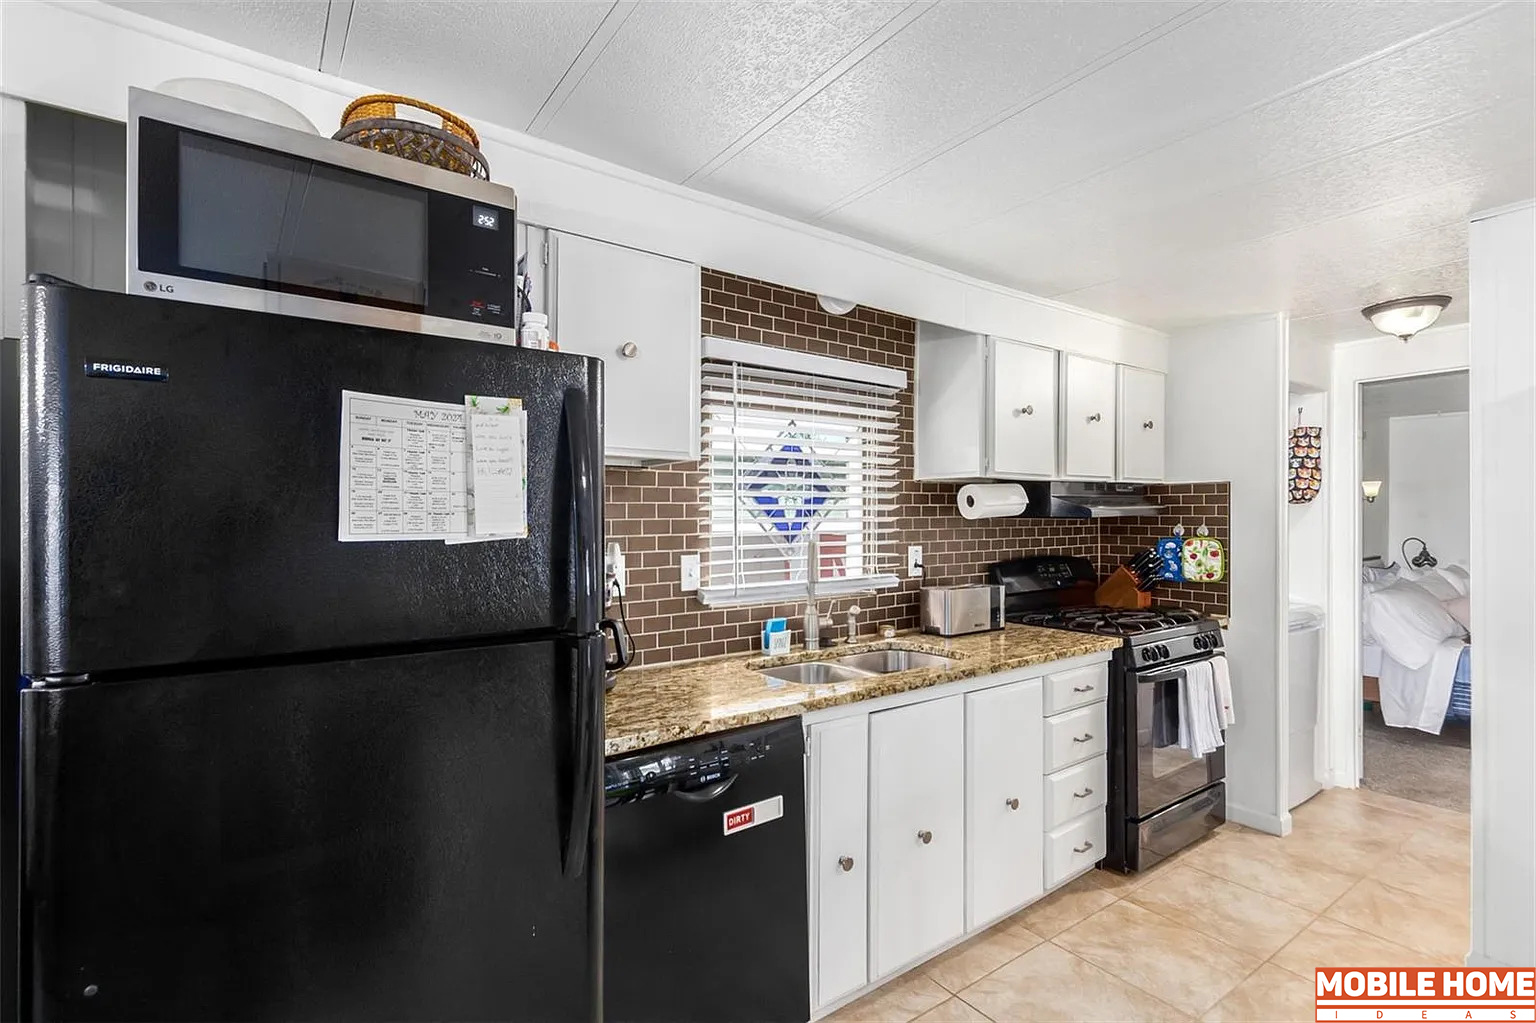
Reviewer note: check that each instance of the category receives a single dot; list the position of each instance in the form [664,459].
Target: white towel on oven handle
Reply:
[1222,675]
[1199,716]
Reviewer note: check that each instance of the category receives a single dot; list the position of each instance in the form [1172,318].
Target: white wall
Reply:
[85,56]
[1379,403]
[1503,278]
[1311,362]
[1236,432]
[1440,350]
[1430,480]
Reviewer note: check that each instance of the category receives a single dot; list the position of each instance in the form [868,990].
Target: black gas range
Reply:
[1161,798]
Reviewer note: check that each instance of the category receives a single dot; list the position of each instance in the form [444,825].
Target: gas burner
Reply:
[1108,621]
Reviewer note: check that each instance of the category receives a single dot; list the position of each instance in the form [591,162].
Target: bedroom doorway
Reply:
[1415,540]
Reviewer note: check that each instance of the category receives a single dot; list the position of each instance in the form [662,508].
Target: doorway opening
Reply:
[1414,499]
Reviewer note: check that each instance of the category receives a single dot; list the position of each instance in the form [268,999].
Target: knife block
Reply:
[1119,590]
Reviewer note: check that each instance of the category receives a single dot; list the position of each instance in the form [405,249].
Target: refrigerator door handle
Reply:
[586,746]
[587,530]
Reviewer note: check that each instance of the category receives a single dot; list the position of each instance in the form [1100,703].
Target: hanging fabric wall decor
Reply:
[1306,462]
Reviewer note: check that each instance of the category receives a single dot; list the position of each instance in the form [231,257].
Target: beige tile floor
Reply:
[1229,930]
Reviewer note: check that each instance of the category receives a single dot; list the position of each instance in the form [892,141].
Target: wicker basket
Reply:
[371,122]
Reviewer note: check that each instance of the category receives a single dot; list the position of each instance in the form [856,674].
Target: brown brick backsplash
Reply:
[652,511]
[1190,505]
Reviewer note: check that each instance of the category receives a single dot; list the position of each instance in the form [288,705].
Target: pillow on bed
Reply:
[1434,581]
[1460,608]
[1409,623]
[1458,577]
[1373,578]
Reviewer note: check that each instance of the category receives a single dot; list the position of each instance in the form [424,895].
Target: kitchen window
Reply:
[795,445]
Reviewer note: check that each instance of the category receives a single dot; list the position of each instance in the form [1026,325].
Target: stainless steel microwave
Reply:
[229,210]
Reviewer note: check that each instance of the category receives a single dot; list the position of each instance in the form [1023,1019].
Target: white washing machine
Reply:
[1306,675]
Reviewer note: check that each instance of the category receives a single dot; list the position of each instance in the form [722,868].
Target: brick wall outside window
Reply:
[652,512]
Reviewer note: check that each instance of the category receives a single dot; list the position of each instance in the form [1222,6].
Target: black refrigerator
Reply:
[265,774]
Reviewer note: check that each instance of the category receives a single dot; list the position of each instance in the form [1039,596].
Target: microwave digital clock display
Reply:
[486,217]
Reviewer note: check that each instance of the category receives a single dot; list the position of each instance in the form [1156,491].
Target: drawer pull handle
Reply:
[1082,689]
[1085,737]
[1027,410]
[1013,804]
[1083,794]
[846,862]
[1096,417]
[1082,848]
[1148,425]
[925,836]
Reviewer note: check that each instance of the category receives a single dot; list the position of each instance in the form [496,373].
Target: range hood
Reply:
[1088,501]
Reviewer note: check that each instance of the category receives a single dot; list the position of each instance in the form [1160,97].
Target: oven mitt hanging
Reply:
[1170,559]
[1204,560]
[1306,463]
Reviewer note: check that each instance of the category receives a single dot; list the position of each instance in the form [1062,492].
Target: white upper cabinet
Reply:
[639,313]
[1141,424]
[1003,800]
[1088,403]
[917,831]
[986,407]
[1022,439]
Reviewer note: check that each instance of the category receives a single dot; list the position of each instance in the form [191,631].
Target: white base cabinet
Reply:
[1003,812]
[837,783]
[932,814]
[917,831]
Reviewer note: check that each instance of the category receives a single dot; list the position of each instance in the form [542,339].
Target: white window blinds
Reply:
[787,453]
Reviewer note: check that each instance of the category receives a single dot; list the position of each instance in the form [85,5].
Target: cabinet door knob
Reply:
[1082,738]
[1082,848]
[629,349]
[925,836]
[1013,804]
[1096,417]
[846,862]
[1027,410]
[1082,689]
[1083,794]
[1148,425]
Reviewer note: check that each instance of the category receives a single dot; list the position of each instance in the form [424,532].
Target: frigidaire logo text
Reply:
[125,371]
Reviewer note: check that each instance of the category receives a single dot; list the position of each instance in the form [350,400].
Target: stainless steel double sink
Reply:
[855,666]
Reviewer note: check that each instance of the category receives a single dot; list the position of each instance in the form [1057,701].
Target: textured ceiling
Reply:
[1167,161]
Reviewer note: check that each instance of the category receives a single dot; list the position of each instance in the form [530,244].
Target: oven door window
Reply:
[1166,773]
[225,211]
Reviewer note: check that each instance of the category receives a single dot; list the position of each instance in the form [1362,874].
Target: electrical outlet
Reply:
[914,560]
[689,565]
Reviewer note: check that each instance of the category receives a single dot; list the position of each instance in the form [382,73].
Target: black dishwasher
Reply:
[705,898]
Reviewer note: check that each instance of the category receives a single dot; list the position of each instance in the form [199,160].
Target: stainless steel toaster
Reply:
[957,610]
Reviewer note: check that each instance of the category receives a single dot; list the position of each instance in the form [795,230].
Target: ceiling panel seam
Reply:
[1342,69]
[583,62]
[1298,168]
[898,23]
[982,127]
[333,44]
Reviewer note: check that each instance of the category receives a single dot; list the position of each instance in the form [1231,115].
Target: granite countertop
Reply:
[652,706]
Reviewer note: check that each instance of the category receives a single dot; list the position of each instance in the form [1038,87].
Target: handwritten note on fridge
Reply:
[498,467]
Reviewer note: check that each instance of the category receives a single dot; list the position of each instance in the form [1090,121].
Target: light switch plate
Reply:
[689,564]
[914,560]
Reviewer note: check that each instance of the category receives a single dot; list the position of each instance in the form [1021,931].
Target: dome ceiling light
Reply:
[836,306]
[1405,317]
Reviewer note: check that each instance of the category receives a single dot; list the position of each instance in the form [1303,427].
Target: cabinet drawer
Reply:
[1075,791]
[1075,736]
[1076,845]
[1076,688]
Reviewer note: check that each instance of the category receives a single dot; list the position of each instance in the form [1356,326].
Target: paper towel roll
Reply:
[991,500]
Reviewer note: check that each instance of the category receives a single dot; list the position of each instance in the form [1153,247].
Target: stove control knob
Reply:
[1162,651]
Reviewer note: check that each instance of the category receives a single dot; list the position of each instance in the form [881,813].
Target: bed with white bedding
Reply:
[1415,645]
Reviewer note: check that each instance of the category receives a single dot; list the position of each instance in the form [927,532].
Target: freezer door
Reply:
[190,515]
[379,839]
